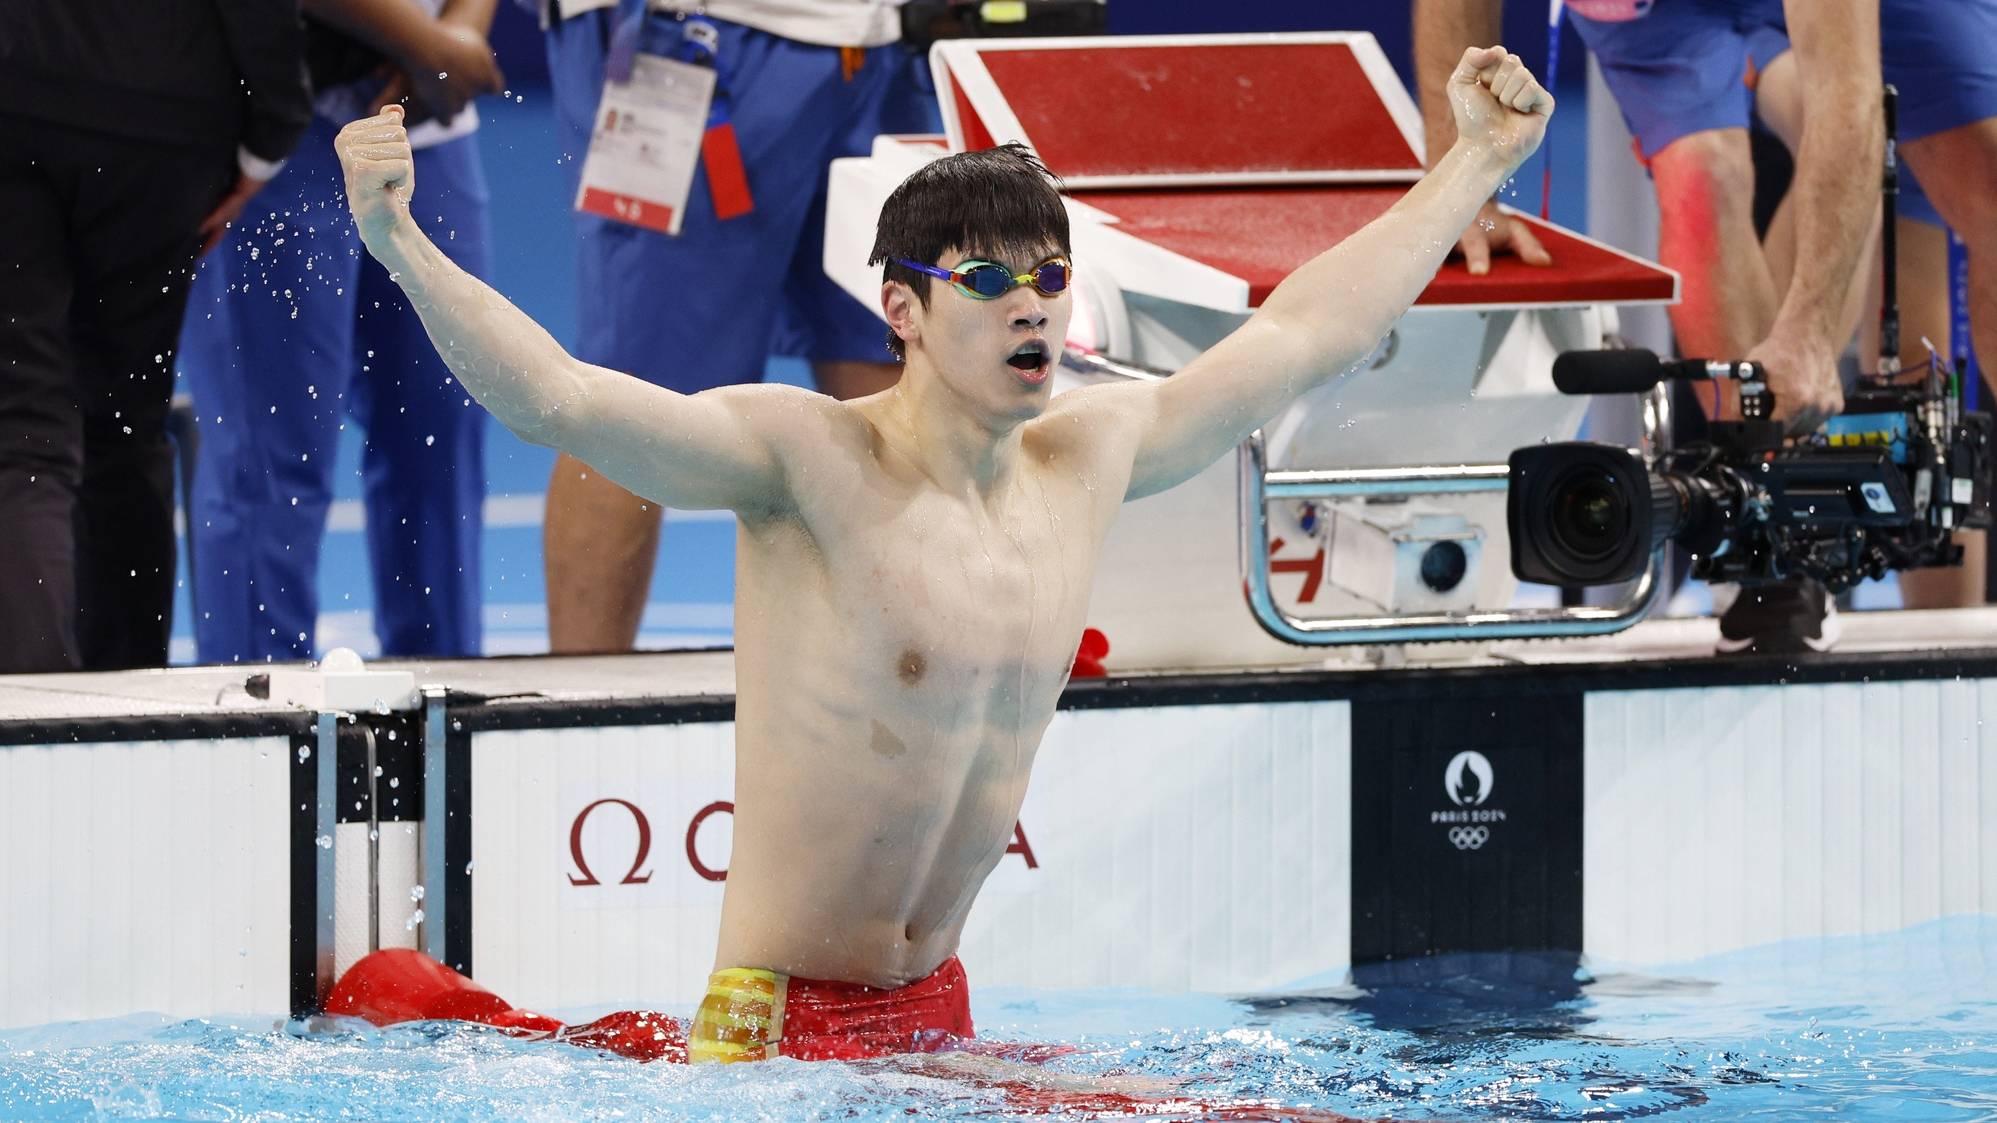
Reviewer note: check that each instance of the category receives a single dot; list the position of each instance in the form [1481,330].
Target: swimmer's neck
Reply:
[964,449]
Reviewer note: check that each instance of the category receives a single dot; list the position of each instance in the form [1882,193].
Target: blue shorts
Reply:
[707,307]
[1686,66]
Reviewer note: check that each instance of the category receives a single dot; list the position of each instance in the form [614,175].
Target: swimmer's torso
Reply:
[900,652]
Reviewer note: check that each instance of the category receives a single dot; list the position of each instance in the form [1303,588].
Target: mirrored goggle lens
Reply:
[988,281]
[1051,277]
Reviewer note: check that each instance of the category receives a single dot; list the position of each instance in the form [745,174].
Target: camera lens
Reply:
[1590,514]
[1443,565]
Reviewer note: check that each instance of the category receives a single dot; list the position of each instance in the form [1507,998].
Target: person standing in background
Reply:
[132,132]
[292,332]
[1688,74]
[799,83]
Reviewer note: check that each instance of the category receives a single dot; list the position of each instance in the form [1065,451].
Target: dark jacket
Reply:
[221,72]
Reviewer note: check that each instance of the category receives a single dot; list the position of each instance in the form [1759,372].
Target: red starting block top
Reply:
[1263,234]
[1183,110]
[1240,157]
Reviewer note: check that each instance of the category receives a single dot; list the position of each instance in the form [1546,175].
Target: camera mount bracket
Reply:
[1259,486]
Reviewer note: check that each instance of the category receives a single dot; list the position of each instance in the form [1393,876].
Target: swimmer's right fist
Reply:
[381,174]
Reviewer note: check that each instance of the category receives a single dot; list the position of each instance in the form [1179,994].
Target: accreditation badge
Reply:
[647,140]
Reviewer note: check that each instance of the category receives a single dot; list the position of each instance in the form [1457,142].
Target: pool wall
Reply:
[1226,832]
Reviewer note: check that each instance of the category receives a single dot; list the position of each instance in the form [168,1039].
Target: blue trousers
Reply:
[294,331]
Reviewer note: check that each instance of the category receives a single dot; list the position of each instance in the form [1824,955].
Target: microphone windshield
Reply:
[1628,371]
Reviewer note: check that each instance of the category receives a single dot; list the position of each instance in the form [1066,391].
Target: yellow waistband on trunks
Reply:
[740,1019]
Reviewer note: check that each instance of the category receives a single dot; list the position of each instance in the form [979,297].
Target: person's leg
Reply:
[41,436]
[1705,197]
[598,541]
[689,312]
[268,365]
[843,338]
[133,228]
[424,460]
[1684,78]
[1956,169]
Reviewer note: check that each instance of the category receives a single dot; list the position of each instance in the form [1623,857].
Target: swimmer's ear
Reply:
[898,305]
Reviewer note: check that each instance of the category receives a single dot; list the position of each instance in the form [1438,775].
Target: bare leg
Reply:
[1705,197]
[598,542]
[1956,169]
[848,379]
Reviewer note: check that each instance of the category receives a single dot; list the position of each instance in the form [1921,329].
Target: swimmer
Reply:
[914,567]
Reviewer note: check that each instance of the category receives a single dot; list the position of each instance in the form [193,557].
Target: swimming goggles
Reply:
[985,280]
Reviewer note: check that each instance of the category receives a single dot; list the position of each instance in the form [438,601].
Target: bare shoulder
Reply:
[1095,420]
[1095,429]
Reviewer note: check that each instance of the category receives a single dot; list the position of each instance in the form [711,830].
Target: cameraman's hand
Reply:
[1498,105]
[1494,231]
[1803,375]
[381,173]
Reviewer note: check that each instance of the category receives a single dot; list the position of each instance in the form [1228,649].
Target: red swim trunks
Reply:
[747,1014]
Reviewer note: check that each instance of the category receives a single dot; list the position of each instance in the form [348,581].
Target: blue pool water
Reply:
[1900,1026]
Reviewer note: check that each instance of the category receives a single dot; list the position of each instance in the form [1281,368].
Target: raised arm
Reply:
[1330,314]
[710,450]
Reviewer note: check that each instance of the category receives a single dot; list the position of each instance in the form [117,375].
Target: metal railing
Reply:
[1259,485]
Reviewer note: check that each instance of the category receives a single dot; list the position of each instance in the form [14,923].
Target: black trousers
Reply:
[97,243]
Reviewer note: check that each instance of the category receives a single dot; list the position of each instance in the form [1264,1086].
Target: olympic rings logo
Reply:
[1469,838]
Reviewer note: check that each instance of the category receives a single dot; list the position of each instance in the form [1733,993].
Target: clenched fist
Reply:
[1498,104]
[381,174]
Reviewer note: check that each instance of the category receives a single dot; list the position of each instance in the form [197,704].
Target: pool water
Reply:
[1900,1026]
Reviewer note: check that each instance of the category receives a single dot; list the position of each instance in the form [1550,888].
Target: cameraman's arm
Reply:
[1442,29]
[1836,192]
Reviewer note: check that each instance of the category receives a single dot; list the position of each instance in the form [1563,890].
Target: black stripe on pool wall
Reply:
[458,847]
[304,876]
[398,755]
[1466,825]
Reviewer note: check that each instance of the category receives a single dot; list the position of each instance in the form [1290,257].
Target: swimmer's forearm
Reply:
[508,362]
[1320,322]
[1346,299]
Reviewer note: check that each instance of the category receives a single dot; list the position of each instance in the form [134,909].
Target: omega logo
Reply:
[1019,845]
[632,876]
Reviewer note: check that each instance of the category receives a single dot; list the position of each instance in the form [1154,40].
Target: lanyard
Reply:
[700,45]
[1553,8]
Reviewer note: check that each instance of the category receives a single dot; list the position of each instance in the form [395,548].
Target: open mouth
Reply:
[1032,361]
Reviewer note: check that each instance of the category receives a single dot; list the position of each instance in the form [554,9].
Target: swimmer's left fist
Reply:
[381,173]
[1499,105]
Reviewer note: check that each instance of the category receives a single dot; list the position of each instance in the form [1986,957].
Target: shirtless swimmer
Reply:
[884,731]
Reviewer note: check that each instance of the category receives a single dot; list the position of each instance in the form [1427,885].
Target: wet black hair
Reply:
[1001,202]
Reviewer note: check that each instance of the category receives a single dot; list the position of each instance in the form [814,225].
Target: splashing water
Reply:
[1902,1025]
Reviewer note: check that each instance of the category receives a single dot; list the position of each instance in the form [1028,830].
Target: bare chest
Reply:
[957,604]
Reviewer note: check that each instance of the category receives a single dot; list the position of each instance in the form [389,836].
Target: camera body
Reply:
[1882,487]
